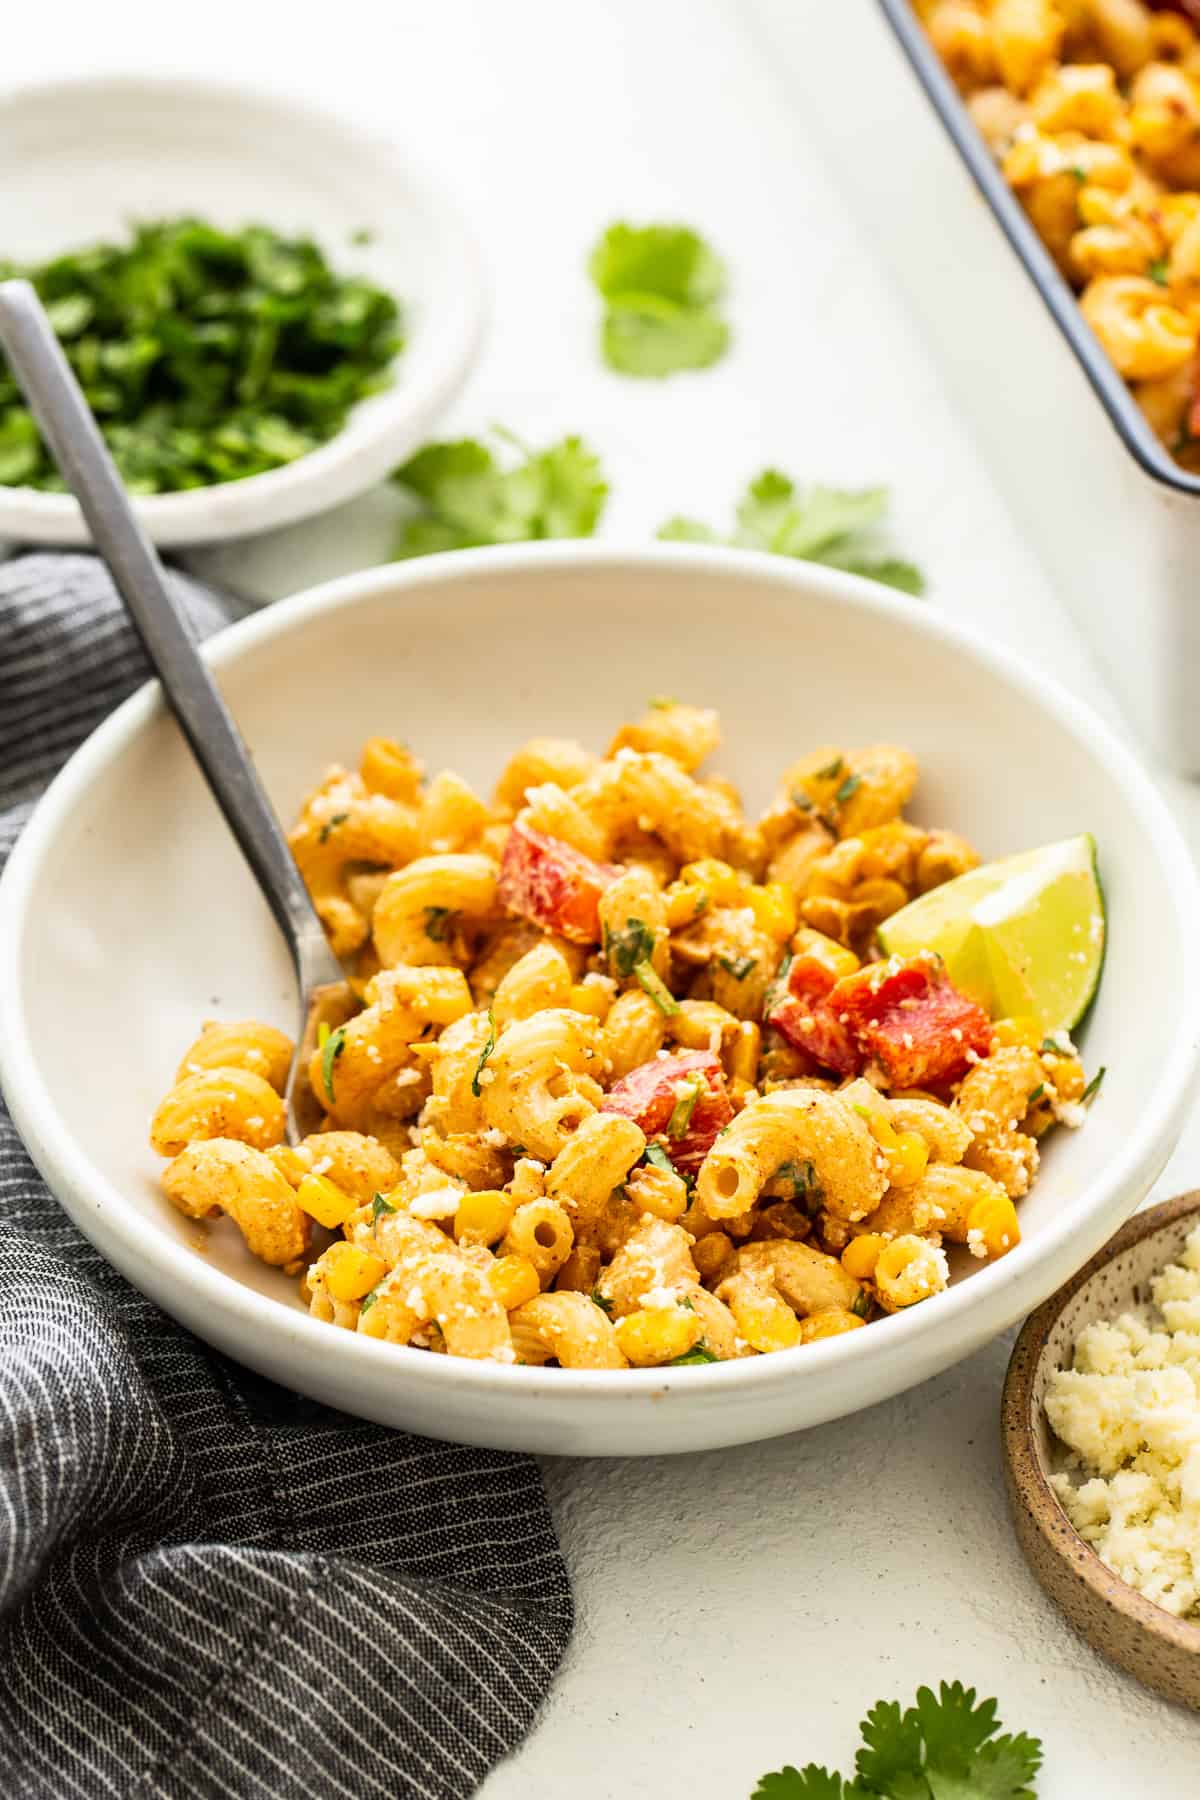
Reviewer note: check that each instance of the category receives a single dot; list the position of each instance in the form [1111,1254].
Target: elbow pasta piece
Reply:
[962,38]
[762,1317]
[540,979]
[440,1287]
[1026,35]
[505,943]
[243,1045]
[345,824]
[218,1103]
[909,1269]
[568,1327]
[557,812]
[654,1258]
[657,1191]
[1145,335]
[798,1127]
[807,1279]
[579,1273]
[687,734]
[452,817]
[357,1164]
[719,1331]
[389,768]
[594,1160]
[468,1156]
[944,1130]
[645,791]
[541,1079]
[993,1102]
[634,1030]
[223,1175]
[559,761]
[541,1232]
[420,907]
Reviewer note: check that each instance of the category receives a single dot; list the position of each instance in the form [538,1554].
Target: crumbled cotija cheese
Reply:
[1129,1411]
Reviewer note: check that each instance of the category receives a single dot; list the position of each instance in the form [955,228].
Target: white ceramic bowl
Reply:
[80,159]
[127,916]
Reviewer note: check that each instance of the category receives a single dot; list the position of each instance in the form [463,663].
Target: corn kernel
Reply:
[830,1323]
[324,1201]
[766,1323]
[658,1191]
[741,1057]
[835,957]
[291,1165]
[686,900]
[590,997]
[658,1335]
[861,1254]
[774,910]
[906,1160]
[995,1219]
[514,1280]
[350,1272]
[484,1217]
[722,884]
[1026,1031]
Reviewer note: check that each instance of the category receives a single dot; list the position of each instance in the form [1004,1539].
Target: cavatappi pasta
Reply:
[629,1085]
[1092,109]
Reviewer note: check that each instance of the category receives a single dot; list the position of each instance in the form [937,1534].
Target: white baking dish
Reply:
[1111,515]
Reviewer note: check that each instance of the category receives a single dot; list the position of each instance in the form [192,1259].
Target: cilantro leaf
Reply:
[488,1047]
[655,1154]
[699,1353]
[943,1748]
[380,1205]
[662,285]
[834,526]
[738,966]
[1093,1087]
[632,944]
[809,1783]
[332,1043]
[468,497]
[652,983]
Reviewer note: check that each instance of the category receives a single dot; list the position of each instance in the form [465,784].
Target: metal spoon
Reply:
[54,396]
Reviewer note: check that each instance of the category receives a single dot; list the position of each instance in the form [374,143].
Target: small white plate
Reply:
[127,916]
[80,160]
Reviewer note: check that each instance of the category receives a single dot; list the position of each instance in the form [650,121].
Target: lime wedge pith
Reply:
[1024,935]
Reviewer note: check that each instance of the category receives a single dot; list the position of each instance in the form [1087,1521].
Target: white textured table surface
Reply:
[737,1610]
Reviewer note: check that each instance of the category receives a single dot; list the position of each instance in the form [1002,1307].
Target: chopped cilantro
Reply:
[1093,1086]
[738,966]
[624,949]
[605,1306]
[331,1043]
[848,789]
[699,1353]
[206,355]
[661,286]
[488,1047]
[687,1094]
[331,825]
[468,498]
[662,702]
[1049,1047]
[1157,270]
[944,1748]
[802,1178]
[439,921]
[380,1205]
[1080,175]
[777,987]
[655,1154]
[831,771]
[800,799]
[861,1304]
[370,1298]
[818,524]
[1036,1093]
[652,983]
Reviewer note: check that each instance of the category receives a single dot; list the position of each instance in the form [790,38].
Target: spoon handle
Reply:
[57,403]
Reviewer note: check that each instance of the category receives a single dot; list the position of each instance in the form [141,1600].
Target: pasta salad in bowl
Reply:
[632,1083]
[681,1106]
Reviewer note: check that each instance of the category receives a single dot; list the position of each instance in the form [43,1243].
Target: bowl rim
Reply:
[68,1170]
[429,369]
[1023,1463]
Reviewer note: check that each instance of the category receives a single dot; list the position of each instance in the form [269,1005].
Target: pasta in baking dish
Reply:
[630,1084]
[1092,109]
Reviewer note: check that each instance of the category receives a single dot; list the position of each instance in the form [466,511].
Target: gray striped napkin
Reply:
[210,1586]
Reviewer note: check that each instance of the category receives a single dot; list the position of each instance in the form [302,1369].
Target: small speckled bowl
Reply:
[1156,1648]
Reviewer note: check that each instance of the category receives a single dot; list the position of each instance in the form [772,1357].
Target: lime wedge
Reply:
[1023,936]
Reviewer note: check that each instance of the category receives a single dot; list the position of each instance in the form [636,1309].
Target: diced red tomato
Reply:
[555,885]
[650,1093]
[809,1023]
[911,1019]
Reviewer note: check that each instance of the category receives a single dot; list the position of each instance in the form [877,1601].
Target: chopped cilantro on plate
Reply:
[467,495]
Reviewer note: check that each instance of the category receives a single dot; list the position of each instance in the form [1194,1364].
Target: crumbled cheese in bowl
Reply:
[1128,1410]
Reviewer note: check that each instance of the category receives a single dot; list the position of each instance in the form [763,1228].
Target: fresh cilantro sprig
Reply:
[331,1044]
[834,526]
[661,285]
[489,1046]
[945,1747]
[206,355]
[469,495]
